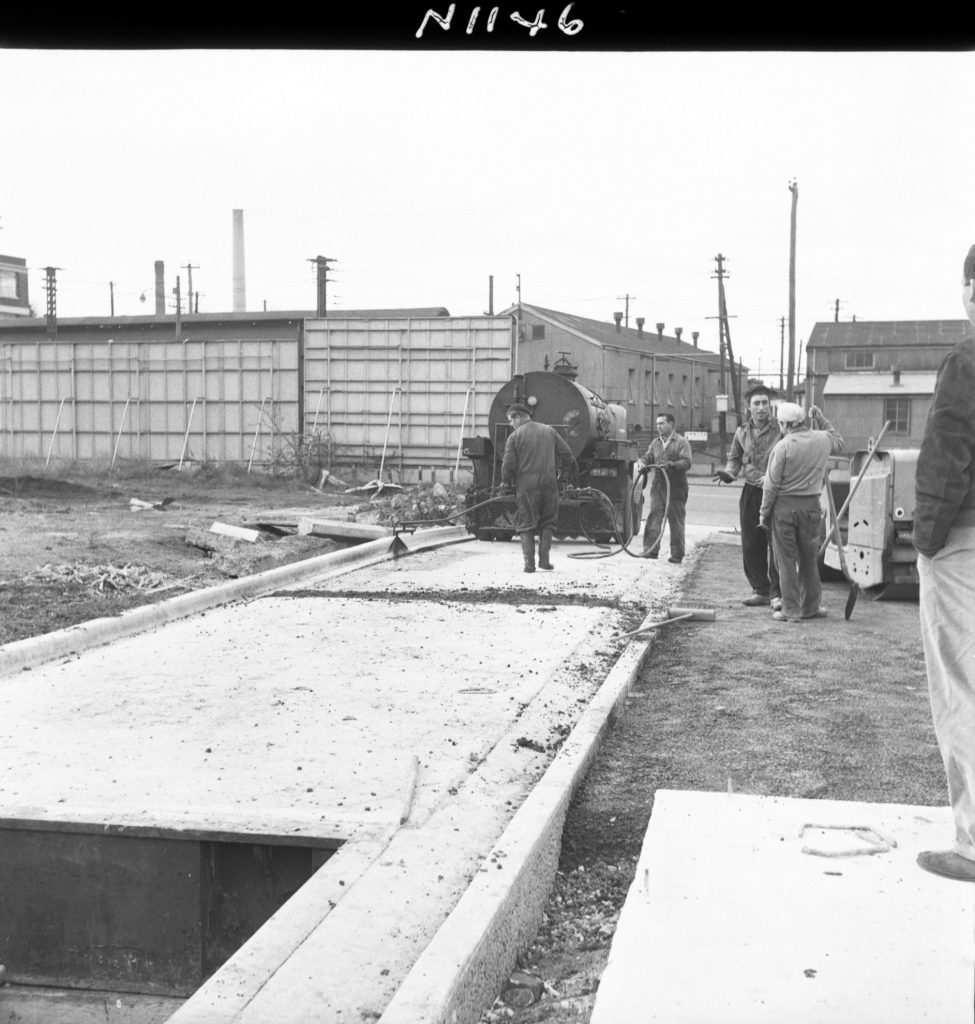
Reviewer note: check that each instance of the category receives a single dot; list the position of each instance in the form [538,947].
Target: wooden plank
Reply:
[238,532]
[341,531]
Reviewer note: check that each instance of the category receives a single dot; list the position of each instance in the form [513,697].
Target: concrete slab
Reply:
[300,717]
[581,569]
[760,909]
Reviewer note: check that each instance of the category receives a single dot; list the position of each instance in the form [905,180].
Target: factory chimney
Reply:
[240,300]
[160,288]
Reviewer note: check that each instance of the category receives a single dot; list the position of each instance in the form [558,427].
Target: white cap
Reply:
[790,413]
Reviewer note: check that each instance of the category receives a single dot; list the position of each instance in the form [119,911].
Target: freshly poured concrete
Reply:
[314,713]
[748,909]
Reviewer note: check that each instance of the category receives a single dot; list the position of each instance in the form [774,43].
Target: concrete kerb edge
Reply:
[32,651]
[465,965]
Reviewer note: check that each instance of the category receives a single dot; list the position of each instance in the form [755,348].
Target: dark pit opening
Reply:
[138,909]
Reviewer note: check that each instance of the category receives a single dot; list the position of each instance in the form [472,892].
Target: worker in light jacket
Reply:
[791,507]
[669,453]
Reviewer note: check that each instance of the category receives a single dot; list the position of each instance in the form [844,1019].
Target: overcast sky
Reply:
[593,175]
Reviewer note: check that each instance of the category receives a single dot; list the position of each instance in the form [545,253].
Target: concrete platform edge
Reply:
[25,654]
[227,993]
[465,966]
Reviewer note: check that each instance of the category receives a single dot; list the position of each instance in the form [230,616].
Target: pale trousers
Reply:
[948,635]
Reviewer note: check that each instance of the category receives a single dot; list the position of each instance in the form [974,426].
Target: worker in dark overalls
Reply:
[533,455]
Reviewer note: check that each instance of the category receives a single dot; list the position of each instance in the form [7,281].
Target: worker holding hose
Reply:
[670,456]
[533,454]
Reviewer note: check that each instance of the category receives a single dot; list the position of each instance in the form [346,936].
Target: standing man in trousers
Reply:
[533,454]
[791,507]
[944,535]
[750,450]
[670,453]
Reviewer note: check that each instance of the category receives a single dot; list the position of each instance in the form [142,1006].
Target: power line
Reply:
[626,315]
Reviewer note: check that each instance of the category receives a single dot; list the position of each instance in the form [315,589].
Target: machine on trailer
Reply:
[875,526]
[601,498]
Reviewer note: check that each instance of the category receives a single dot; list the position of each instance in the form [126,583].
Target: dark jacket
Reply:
[945,481]
[531,455]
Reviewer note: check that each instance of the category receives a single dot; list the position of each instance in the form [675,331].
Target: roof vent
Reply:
[660,330]
[640,321]
[695,335]
[678,331]
[618,317]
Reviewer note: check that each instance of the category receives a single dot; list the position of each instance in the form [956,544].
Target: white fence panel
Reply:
[412,387]
[198,399]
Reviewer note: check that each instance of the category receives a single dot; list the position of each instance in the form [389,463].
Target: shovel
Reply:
[851,598]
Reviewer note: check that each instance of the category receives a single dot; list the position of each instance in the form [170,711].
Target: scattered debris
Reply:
[138,505]
[237,532]
[327,478]
[424,504]
[374,487]
[523,989]
[524,741]
[105,577]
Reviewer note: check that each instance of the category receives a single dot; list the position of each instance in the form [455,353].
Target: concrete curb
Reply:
[464,967]
[35,650]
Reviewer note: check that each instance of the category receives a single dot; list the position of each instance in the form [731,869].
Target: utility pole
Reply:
[111,296]
[626,315]
[794,189]
[51,287]
[781,352]
[189,268]
[724,333]
[514,357]
[836,312]
[179,309]
[321,264]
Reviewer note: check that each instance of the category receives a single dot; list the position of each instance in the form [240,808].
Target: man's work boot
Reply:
[528,550]
[545,549]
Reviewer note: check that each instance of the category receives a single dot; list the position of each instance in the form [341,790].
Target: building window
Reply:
[898,411]
[670,389]
[647,388]
[8,284]
[683,390]
[859,360]
[630,382]
[538,332]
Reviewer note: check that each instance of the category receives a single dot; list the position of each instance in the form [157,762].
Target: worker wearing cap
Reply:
[533,454]
[791,507]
